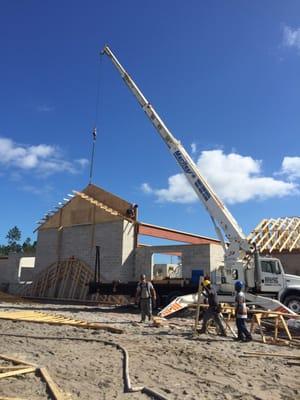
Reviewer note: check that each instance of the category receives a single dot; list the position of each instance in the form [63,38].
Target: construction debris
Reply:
[22,367]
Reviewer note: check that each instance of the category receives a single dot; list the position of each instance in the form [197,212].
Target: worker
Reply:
[241,313]
[214,309]
[132,211]
[145,296]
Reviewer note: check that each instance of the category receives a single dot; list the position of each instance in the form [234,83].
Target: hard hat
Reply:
[238,285]
[206,282]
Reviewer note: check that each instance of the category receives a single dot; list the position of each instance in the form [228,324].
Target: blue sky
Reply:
[224,76]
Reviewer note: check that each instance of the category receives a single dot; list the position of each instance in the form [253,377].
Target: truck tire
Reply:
[293,303]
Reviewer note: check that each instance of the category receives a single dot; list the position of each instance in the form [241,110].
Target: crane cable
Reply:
[96,121]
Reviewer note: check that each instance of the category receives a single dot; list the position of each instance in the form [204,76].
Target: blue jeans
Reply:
[243,332]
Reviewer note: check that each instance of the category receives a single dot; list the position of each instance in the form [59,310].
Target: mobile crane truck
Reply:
[266,284]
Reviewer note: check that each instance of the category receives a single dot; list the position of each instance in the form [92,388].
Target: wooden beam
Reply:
[16,361]
[290,234]
[280,234]
[260,353]
[295,242]
[267,232]
[257,231]
[12,368]
[58,395]
[26,370]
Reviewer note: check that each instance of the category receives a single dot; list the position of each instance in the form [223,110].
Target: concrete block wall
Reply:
[143,262]
[46,249]
[117,244]
[116,241]
[194,257]
[9,268]
[127,272]
[216,256]
[4,268]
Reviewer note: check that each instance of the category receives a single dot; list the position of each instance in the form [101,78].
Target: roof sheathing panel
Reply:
[78,211]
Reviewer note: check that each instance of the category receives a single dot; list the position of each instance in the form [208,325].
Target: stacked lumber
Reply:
[54,319]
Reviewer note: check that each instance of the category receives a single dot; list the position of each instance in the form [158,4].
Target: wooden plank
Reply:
[276,327]
[198,306]
[267,232]
[58,395]
[261,353]
[11,398]
[16,361]
[290,234]
[258,321]
[17,372]
[253,235]
[295,242]
[52,320]
[285,327]
[280,234]
[12,367]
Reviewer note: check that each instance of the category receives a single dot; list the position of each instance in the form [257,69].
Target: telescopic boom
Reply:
[224,222]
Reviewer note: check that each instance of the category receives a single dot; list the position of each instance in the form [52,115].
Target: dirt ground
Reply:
[167,359]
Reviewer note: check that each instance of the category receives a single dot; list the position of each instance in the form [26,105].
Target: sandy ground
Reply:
[168,359]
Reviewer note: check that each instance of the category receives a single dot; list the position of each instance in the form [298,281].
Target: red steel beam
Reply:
[171,234]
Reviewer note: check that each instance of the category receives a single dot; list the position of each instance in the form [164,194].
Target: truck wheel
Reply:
[293,303]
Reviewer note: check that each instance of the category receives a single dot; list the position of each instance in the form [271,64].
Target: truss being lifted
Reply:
[281,234]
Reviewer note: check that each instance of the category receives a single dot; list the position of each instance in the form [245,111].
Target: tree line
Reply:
[14,243]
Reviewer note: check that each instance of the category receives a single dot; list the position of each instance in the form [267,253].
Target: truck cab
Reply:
[263,276]
[271,280]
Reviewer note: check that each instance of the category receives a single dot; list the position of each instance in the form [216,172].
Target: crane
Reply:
[241,259]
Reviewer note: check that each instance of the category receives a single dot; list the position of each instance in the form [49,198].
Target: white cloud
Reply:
[83,162]
[42,158]
[235,179]
[146,188]
[291,37]
[291,167]
[194,148]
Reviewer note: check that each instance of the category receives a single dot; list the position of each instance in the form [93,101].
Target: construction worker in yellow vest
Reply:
[213,310]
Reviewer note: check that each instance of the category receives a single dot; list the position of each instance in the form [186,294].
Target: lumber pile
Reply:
[54,319]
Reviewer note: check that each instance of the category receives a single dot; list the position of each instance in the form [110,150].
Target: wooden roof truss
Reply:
[281,234]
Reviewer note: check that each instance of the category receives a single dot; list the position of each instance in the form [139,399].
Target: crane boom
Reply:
[223,221]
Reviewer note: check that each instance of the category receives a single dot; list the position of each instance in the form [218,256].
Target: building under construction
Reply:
[67,240]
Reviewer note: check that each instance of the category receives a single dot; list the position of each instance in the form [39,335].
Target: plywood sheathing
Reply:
[280,235]
[92,205]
